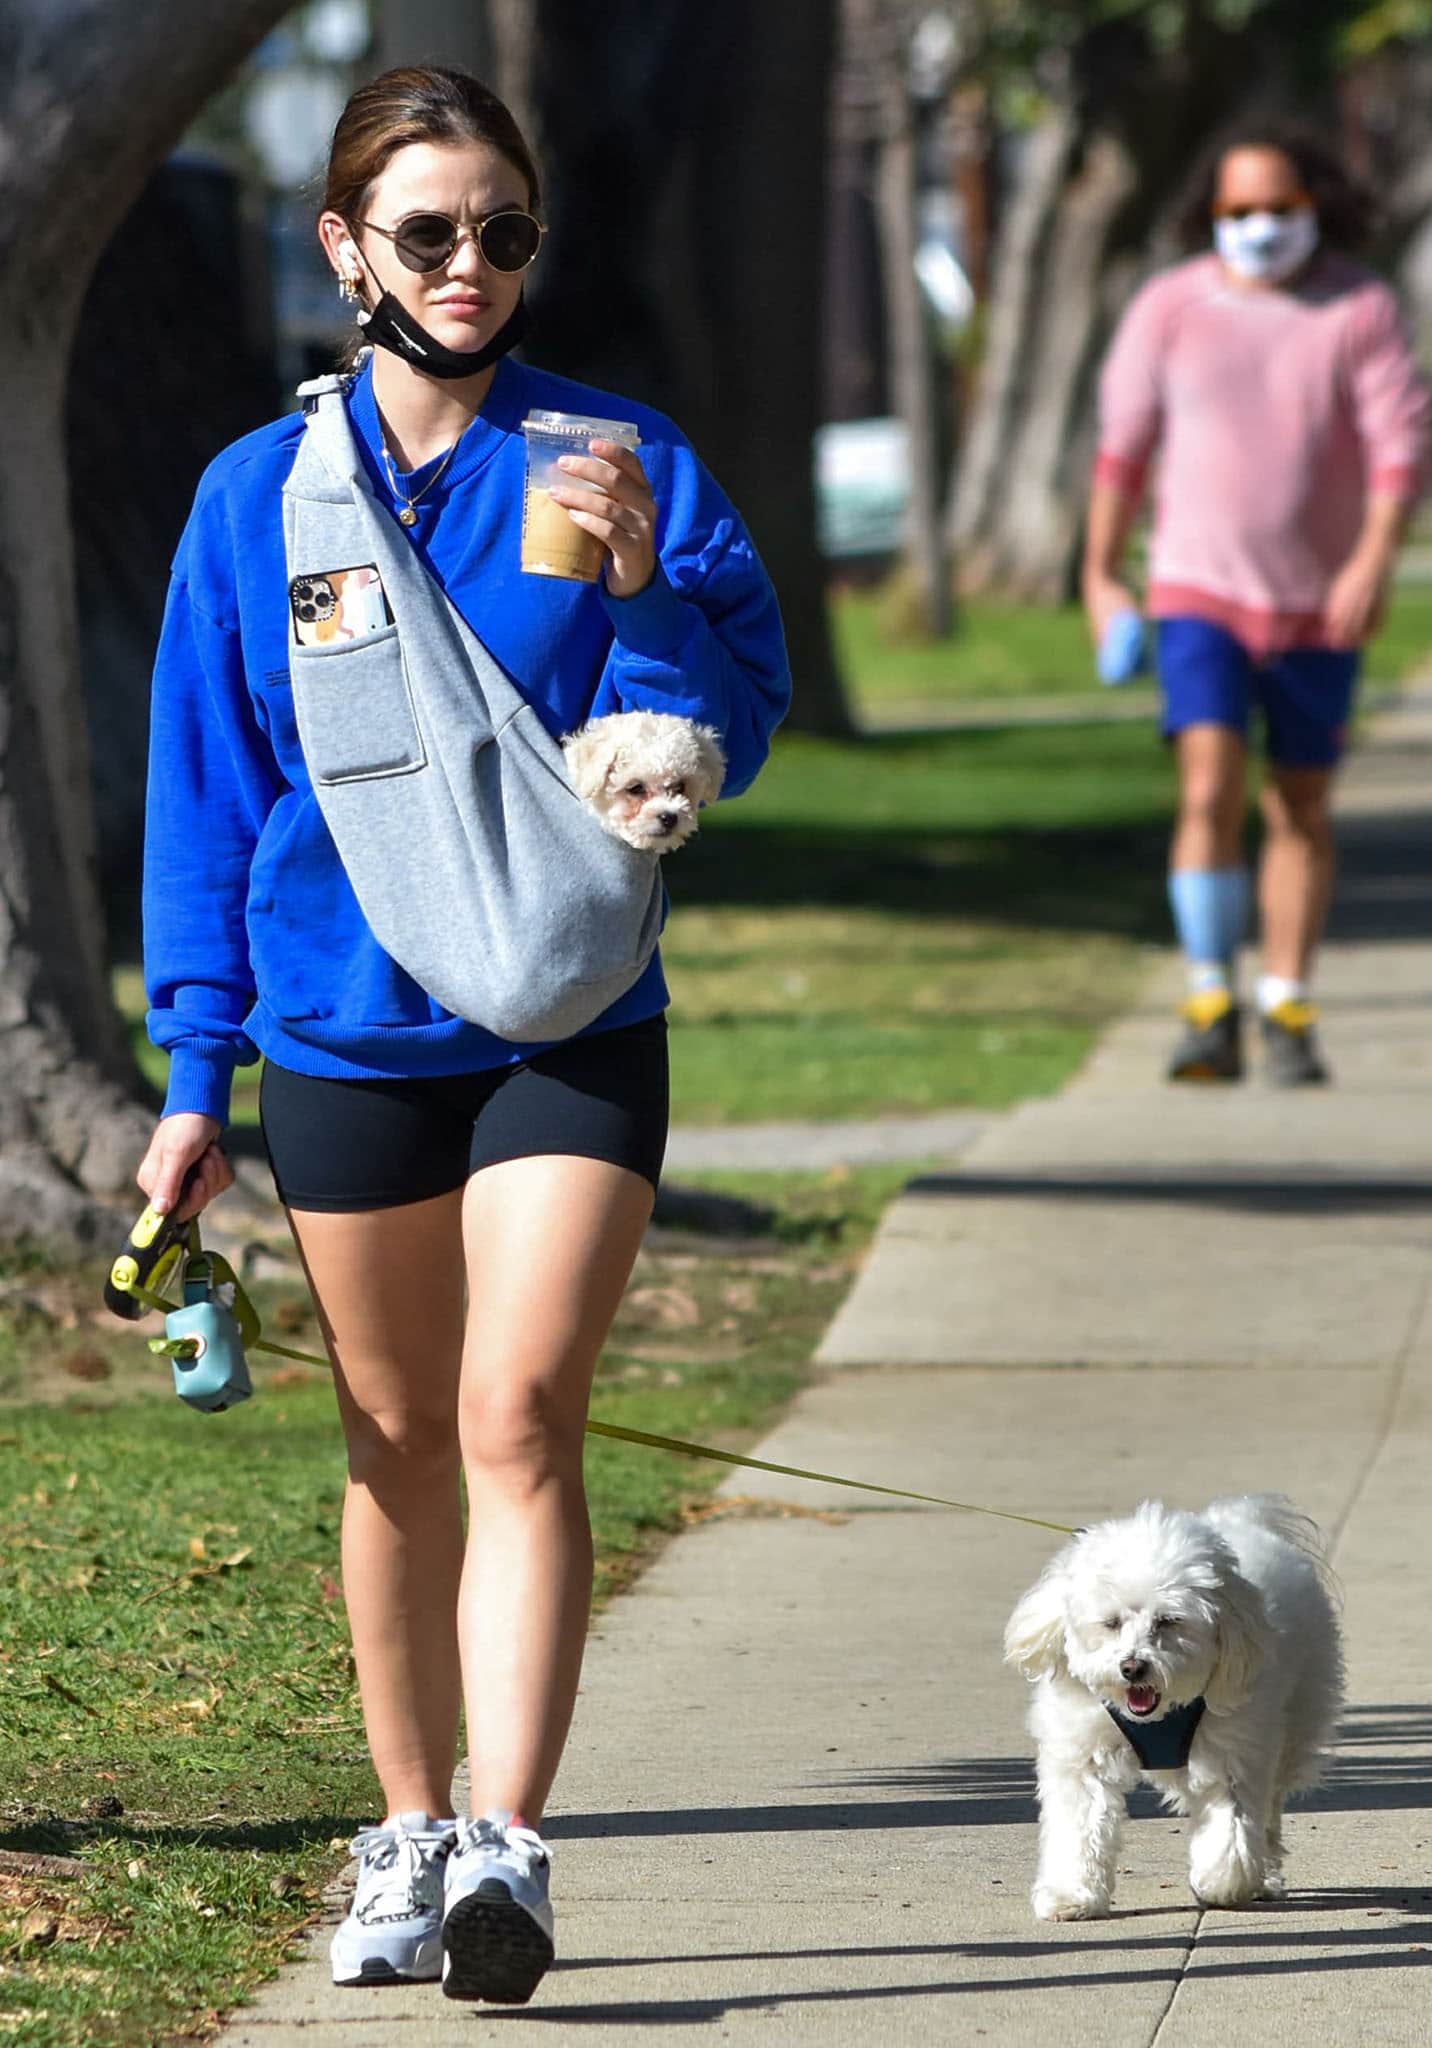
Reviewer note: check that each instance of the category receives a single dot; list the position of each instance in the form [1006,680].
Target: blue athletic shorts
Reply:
[1304,695]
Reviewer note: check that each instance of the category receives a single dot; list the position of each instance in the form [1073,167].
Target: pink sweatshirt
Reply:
[1274,412]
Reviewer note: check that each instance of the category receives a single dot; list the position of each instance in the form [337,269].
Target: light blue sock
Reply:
[1210,913]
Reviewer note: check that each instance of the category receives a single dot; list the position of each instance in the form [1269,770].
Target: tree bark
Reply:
[90,100]
[683,156]
[1020,505]
[879,41]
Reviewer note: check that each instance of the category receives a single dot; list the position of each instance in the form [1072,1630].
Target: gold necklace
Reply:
[406,515]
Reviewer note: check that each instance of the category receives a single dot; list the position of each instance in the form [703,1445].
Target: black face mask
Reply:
[390,326]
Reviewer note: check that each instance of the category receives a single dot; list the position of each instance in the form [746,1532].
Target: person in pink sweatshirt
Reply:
[1272,378]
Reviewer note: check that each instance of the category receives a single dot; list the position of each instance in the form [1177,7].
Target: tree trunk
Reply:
[1019,508]
[912,363]
[683,156]
[83,120]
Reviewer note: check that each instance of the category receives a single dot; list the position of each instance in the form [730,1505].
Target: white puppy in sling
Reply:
[1201,1651]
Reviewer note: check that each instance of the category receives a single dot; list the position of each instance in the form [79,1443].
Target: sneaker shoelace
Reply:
[511,1838]
[394,1862]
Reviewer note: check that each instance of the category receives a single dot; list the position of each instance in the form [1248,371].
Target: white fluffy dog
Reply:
[1214,1636]
[646,774]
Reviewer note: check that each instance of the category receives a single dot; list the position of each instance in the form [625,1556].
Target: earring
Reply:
[348,287]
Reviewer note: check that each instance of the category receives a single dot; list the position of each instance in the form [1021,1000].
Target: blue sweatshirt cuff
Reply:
[201,1074]
[654,623]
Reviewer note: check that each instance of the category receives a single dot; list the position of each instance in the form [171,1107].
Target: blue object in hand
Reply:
[1123,651]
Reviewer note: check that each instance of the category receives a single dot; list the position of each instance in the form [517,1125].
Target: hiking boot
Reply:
[497,1925]
[1291,1058]
[394,1926]
[1211,1048]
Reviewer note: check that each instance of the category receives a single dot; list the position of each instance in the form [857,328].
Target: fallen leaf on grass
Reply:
[86,1363]
[667,1308]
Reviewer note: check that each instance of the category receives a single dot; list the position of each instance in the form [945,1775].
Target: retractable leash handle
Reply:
[152,1252]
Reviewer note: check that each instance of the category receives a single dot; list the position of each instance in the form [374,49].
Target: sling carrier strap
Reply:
[475,863]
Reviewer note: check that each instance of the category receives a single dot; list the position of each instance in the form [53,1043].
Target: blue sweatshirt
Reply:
[254,941]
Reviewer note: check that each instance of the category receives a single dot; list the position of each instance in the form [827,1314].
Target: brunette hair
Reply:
[1343,206]
[415,103]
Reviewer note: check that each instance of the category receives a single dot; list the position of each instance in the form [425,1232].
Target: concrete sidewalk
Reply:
[797,1805]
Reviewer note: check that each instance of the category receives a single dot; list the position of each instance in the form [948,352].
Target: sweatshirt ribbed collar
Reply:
[500,415]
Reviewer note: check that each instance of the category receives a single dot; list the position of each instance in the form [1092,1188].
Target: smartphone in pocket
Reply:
[333,605]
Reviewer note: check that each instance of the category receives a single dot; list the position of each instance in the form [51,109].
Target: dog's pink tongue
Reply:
[1141,1699]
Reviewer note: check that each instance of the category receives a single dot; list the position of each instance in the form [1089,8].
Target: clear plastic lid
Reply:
[575,426]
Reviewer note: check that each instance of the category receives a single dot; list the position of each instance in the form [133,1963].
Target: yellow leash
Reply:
[684,1449]
[935,1500]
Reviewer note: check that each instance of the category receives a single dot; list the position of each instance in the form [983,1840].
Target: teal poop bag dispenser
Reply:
[207,1331]
[205,1337]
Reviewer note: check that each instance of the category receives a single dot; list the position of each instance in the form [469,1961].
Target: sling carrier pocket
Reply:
[475,863]
[355,710]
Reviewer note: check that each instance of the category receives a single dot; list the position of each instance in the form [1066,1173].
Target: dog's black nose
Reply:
[1132,1668]
[667,820]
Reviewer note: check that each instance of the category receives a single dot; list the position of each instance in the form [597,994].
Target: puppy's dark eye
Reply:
[1162,1621]
[636,789]
[678,789]
[1112,1622]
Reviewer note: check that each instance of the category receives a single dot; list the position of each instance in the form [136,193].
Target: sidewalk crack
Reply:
[1179,1981]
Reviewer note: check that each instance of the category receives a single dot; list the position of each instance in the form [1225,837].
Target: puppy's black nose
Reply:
[667,820]
[1132,1668]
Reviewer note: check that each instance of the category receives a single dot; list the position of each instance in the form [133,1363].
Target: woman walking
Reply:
[467,1209]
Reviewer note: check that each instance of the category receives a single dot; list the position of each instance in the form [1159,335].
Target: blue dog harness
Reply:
[1161,1745]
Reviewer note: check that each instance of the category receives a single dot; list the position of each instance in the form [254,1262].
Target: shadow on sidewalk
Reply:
[1370,1948]
[964,1792]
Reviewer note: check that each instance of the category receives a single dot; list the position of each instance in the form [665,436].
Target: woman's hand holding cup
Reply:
[612,499]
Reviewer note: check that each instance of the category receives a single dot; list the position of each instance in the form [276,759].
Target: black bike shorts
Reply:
[346,1145]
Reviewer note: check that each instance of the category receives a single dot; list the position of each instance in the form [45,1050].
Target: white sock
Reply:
[1274,989]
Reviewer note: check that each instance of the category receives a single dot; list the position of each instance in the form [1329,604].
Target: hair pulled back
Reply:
[416,103]
[1343,208]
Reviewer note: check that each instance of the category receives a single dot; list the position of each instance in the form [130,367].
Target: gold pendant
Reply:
[407,517]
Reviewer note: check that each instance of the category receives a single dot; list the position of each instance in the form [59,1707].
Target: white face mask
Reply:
[1267,246]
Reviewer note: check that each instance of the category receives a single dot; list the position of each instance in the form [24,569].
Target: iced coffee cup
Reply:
[552,542]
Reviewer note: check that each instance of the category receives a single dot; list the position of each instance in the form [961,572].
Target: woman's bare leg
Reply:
[550,1246]
[389,1289]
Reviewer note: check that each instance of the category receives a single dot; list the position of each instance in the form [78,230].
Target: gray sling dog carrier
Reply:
[475,863]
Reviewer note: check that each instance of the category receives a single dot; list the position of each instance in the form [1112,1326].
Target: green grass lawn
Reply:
[176,1689]
[1006,650]
[909,923]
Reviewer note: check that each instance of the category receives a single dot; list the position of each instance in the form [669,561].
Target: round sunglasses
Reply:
[506,241]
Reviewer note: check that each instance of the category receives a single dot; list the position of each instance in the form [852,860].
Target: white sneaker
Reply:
[497,1922]
[394,1926]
